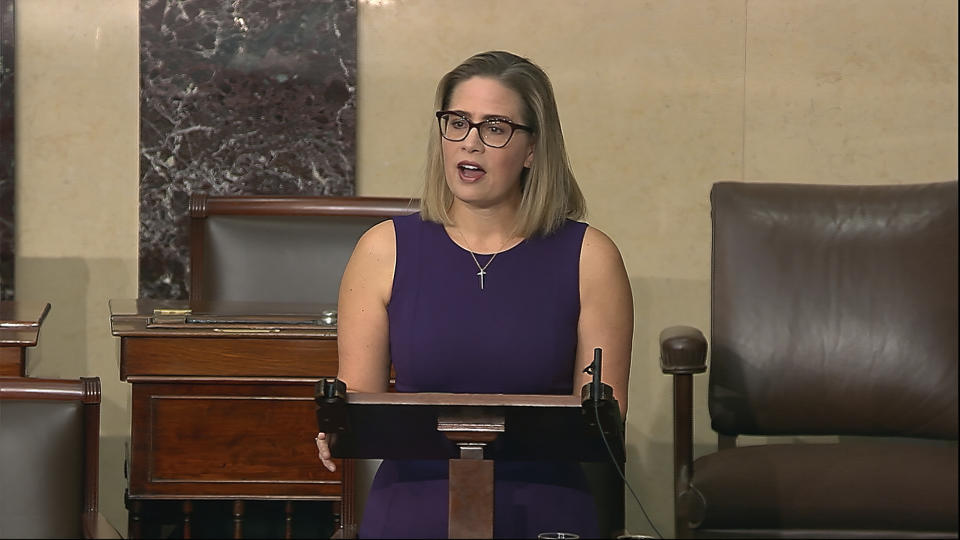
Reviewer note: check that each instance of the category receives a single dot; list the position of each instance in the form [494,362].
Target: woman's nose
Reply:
[472,140]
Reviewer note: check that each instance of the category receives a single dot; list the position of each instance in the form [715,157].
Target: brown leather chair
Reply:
[833,312]
[49,458]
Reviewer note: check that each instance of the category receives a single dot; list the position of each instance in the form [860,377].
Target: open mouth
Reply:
[470,171]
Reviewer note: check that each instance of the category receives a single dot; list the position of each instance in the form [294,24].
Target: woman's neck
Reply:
[484,230]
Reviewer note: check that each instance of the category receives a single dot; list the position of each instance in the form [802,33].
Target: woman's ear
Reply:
[529,159]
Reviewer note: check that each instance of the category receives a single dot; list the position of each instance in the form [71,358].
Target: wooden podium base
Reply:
[471,495]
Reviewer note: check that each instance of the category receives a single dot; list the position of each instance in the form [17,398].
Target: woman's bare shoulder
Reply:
[369,273]
[599,249]
[379,241]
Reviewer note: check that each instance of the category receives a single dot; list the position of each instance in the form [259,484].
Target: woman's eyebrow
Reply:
[467,115]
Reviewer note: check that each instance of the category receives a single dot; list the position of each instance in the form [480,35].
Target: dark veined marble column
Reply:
[239,97]
[7,220]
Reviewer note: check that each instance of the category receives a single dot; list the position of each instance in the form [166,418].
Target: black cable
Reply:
[613,459]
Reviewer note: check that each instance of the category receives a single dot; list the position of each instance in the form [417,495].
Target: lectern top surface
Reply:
[464,400]
[20,322]
[513,427]
[15,314]
[149,317]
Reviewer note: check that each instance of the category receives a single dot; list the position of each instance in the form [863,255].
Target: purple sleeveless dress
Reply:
[516,336]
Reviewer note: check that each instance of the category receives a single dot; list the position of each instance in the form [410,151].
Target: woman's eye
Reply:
[458,124]
[494,128]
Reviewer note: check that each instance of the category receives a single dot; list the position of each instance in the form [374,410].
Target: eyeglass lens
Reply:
[492,132]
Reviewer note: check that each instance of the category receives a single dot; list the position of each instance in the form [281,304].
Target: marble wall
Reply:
[239,98]
[6,149]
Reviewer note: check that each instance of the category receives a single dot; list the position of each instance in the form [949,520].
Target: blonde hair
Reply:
[550,190]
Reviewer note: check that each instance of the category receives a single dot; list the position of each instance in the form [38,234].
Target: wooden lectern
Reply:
[471,431]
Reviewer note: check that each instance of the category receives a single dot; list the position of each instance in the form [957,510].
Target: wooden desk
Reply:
[19,328]
[224,410]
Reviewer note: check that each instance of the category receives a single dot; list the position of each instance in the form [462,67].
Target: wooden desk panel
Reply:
[228,356]
[12,361]
[215,439]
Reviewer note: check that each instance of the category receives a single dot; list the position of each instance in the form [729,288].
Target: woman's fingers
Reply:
[323,451]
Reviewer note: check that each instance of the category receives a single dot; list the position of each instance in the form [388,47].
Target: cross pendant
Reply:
[481,273]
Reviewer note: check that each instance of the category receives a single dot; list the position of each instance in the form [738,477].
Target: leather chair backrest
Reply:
[279,259]
[45,447]
[278,249]
[834,310]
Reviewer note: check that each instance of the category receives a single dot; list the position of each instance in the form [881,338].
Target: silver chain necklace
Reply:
[483,269]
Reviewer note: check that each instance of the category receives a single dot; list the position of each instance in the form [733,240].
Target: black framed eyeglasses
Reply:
[494,132]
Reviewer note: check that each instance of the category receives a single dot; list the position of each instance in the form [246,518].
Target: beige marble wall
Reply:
[658,100]
[851,92]
[76,206]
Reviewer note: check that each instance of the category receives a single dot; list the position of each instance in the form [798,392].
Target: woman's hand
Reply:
[323,452]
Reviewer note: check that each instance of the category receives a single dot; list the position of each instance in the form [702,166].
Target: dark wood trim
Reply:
[682,449]
[90,397]
[203,205]
[47,389]
[197,234]
[218,497]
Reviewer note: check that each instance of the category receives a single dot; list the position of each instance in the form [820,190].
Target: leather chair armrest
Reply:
[683,350]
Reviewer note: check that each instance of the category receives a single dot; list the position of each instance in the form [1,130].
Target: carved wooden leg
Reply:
[337,509]
[348,516]
[134,519]
[187,508]
[238,519]
[288,510]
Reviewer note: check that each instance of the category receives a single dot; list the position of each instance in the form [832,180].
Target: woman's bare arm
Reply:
[363,334]
[606,315]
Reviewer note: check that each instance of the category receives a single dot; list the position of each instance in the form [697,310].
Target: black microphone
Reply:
[596,392]
[597,388]
[612,409]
